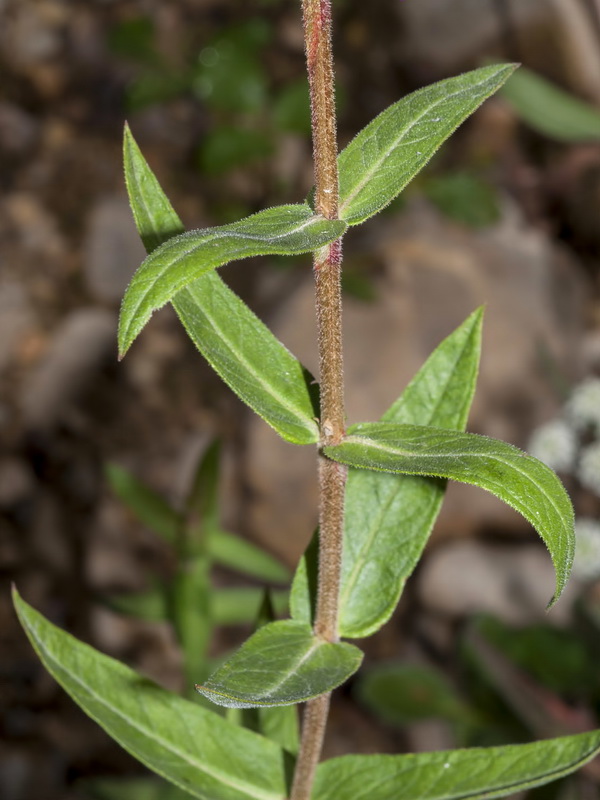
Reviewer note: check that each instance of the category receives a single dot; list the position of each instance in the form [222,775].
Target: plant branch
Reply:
[327,271]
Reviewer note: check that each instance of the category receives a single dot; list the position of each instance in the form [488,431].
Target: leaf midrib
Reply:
[368,175]
[150,283]
[481,793]
[249,698]
[282,400]
[285,403]
[375,526]
[492,456]
[168,746]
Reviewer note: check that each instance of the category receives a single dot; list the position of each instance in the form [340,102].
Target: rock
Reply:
[555,37]
[16,482]
[18,130]
[32,33]
[16,318]
[513,583]
[49,540]
[446,37]
[436,274]
[111,563]
[35,226]
[429,735]
[113,249]
[82,343]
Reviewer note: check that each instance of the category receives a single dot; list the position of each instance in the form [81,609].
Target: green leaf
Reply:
[404,693]
[279,723]
[249,359]
[281,664]
[202,502]
[518,479]
[227,147]
[380,161]
[191,747]
[132,789]
[191,615]
[239,554]
[551,111]
[303,595]
[388,518]
[282,230]
[465,197]
[472,774]
[556,658]
[148,506]
[239,347]
[150,605]
[241,605]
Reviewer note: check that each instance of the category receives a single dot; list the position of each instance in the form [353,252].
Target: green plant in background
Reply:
[381,483]
[228,76]
[189,601]
[550,110]
[570,444]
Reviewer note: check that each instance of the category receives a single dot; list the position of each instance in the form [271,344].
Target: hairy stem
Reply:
[327,270]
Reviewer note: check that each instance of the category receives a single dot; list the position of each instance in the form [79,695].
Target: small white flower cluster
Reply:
[558,442]
[588,469]
[586,565]
[555,443]
[583,407]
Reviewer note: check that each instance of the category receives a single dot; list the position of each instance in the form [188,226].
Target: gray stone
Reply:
[18,130]
[81,345]
[555,37]
[515,583]
[16,319]
[113,249]
[16,481]
[446,35]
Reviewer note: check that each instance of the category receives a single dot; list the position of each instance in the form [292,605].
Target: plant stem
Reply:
[327,271]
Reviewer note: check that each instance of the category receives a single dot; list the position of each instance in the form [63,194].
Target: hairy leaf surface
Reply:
[388,518]
[281,664]
[380,161]
[193,748]
[238,346]
[518,479]
[282,230]
[472,774]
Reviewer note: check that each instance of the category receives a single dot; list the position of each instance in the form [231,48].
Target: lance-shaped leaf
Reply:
[472,774]
[388,518]
[550,110]
[390,150]
[148,506]
[518,479]
[240,605]
[238,554]
[282,230]
[193,748]
[239,347]
[281,664]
